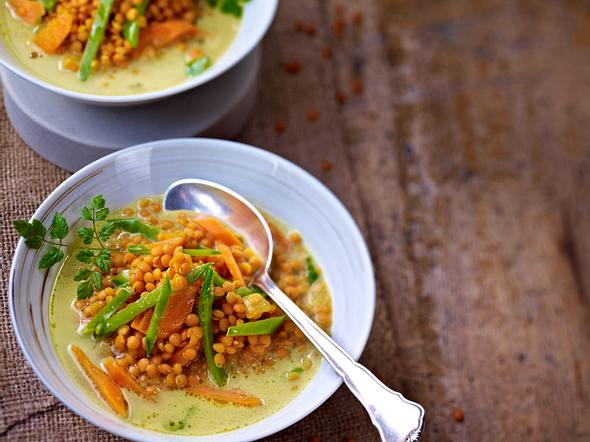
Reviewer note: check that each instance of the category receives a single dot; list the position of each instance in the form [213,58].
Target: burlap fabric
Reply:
[27,410]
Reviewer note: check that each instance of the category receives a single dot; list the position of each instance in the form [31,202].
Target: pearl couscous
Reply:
[217,353]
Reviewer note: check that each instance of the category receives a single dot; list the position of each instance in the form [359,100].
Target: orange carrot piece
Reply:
[29,11]
[124,379]
[230,262]
[179,306]
[142,322]
[219,230]
[174,242]
[237,397]
[50,37]
[105,386]
[164,33]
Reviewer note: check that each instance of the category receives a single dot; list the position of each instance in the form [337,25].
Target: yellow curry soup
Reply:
[174,40]
[187,384]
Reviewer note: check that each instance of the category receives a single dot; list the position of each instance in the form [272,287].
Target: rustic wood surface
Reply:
[465,161]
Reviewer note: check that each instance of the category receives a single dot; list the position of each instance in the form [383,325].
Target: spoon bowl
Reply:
[396,418]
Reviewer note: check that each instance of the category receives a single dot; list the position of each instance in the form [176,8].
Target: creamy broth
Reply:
[175,411]
[143,75]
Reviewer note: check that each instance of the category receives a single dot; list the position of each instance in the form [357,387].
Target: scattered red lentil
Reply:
[356,18]
[349,439]
[311,30]
[292,67]
[280,127]
[314,439]
[338,27]
[326,165]
[327,52]
[341,97]
[458,415]
[298,25]
[356,86]
[312,114]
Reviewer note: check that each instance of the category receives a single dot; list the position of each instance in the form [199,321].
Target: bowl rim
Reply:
[108,160]
[146,97]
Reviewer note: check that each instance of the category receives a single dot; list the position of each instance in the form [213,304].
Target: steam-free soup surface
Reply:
[167,69]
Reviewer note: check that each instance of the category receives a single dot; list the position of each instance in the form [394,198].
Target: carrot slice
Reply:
[142,322]
[164,33]
[29,11]
[237,397]
[50,37]
[174,242]
[219,230]
[230,262]
[179,306]
[124,379]
[105,386]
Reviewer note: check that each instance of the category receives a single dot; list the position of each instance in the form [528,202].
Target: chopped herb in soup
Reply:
[117,47]
[155,317]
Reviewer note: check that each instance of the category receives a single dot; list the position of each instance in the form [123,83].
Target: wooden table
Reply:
[465,161]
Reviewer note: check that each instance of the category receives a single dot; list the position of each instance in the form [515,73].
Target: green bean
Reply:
[198,271]
[131,28]
[96,37]
[263,327]
[206,320]
[107,311]
[312,273]
[130,312]
[246,291]
[201,252]
[133,225]
[161,304]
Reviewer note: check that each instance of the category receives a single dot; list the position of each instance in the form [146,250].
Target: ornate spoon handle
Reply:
[396,418]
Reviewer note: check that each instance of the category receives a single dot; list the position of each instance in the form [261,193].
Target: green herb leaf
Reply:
[106,231]
[96,280]
[82,274]
[86,213]
[23,228]
[52,256]
[101,214]
[103,260]
[86,234]
[38,229]
[97,202]
[34,243]
[59,226]
[138,249]
[84,255]
[85,290]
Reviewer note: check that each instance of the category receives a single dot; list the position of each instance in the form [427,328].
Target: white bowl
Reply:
[274,184]
[256,19]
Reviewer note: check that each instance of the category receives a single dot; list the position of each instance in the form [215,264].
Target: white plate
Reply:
[275,185]
[256,19]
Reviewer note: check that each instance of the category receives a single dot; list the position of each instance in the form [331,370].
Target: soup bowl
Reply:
[275,185]
[256,19]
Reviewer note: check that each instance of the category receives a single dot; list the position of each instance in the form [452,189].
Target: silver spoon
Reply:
[396,418]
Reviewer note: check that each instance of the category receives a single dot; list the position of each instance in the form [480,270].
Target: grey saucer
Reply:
[71,134]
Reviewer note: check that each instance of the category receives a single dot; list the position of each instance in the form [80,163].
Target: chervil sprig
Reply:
[34,234]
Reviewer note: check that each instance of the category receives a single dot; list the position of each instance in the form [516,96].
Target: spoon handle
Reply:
[396,418]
